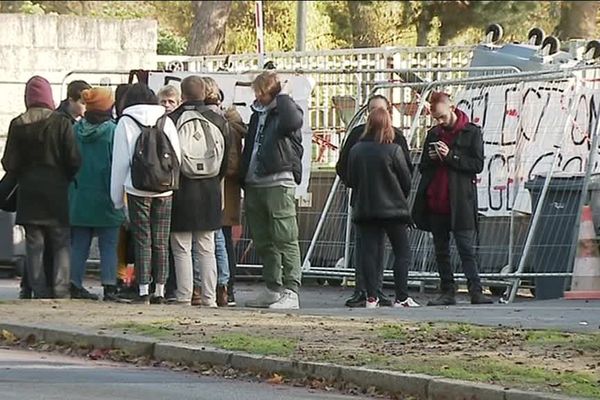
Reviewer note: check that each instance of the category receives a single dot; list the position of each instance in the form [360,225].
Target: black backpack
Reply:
[154,166]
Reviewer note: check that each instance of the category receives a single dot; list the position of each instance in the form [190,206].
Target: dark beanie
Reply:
[38,93]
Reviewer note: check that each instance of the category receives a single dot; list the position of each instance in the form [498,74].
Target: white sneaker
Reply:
[265,299]
[288,301]
[409,302]
[372,302]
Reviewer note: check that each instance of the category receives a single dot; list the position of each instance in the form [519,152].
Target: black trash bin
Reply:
[552,239]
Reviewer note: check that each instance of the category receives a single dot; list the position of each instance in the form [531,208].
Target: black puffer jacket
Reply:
[381,181]
[281,150]
[464,162]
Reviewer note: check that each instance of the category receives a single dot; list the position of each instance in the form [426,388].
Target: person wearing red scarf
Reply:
[446,198]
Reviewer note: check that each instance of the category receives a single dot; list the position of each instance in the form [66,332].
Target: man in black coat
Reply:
[41,151]
[446,198]
[359,297]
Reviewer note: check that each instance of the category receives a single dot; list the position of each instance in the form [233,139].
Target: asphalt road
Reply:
[526,312]
[44,376]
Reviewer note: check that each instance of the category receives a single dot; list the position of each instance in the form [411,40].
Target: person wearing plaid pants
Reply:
[151,225]
[149,211]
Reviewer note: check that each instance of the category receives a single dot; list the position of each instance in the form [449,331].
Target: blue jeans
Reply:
[222,259]
[81,239]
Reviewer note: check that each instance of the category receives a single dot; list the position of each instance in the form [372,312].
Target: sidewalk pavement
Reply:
[565,315]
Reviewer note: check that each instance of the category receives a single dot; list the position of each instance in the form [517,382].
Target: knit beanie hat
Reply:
[38,93]
[98,99]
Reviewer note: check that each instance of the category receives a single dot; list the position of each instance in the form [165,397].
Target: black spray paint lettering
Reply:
[539,109]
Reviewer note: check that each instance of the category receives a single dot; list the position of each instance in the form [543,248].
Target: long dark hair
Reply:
[139,93]
[379,127]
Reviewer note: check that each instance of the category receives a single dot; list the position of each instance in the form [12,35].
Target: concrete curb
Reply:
[422,387]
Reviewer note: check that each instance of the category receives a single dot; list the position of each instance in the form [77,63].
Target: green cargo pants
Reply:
[271,217]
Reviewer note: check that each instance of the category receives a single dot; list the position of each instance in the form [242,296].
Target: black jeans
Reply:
[465,244]
[372,238]
[59,238]
[359,276]
[227,232]
[171,285]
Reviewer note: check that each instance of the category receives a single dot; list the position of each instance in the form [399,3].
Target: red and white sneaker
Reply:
[372,302]
[409,302]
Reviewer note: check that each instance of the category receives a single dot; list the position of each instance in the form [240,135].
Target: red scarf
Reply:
[438,191]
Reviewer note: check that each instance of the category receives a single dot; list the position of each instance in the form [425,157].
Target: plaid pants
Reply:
[151,225]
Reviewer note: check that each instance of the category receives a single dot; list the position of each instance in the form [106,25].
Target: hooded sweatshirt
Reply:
[90,204]
[38,93]
[438,191]
[126,135]
[42,152]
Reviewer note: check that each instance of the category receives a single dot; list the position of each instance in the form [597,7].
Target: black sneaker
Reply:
[158,300]
[127,294]
[358,300]
[444,299]
[144,300]
[231,299]
[230,295]
[480,298]
[25,293]
[110,293]
[384,301]
[82,293]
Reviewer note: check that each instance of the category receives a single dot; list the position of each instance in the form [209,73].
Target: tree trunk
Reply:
[447,32]
[577,20]
[208,30]
[360,22]
[424,25]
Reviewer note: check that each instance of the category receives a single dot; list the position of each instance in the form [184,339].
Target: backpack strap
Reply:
[138,123]
[160,122]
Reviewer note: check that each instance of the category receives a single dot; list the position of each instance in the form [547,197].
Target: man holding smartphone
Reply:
[446,198]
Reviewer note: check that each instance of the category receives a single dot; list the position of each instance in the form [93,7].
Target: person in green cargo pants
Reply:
[270,171]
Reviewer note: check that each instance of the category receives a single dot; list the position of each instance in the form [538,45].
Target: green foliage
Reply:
[279,22]
[170,43]
[392,332]
[255,344]
[29,7]
[156,329]
[331,24]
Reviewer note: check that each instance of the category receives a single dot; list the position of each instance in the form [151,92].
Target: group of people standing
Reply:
[170,169]
[375,163]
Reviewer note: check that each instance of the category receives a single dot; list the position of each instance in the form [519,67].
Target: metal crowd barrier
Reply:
[558,114]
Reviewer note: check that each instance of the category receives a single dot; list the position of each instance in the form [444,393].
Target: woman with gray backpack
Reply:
[145,167]
[197,205]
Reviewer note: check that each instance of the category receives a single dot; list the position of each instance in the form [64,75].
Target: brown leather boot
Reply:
[197,296]
[222,298]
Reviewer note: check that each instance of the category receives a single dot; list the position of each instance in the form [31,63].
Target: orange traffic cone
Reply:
[585,284]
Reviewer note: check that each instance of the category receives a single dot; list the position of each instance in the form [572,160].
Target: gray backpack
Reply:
[202,145]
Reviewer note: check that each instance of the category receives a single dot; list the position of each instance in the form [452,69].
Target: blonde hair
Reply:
[267,83]
[212,92]
[169,91]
